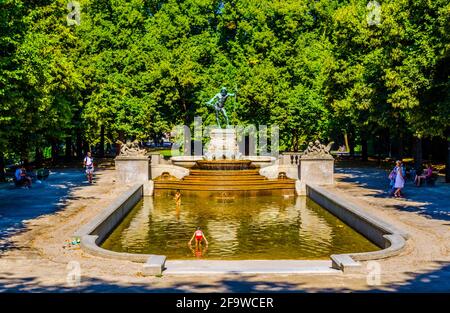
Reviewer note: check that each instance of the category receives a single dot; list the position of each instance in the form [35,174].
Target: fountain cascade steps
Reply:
[223,170]
[229,180]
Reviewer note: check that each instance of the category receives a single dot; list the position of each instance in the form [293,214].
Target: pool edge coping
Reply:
[388,236]
[95,231]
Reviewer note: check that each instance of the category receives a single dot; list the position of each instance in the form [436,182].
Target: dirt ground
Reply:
[37,261]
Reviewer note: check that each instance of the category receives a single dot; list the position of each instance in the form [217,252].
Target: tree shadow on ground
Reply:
[431,201]
[232,283]
[437,280]
[18,205]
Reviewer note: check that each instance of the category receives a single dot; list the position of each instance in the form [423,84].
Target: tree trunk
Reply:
[447,163]
[351,139]
[55,151]
[351,143]
[379,149]
[400,147]
[102,141]
[417,153]
[68,147]
[347,148]
[295,142]
[85,147]
[39,157]
[121,135]
[2,167]
[79,144]
[364,153]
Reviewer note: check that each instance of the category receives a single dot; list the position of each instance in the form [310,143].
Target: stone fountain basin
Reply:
[224,165]
[189,161]
[186,161]
[260,160]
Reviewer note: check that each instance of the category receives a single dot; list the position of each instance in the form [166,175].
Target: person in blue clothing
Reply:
[22,179]
[397,179]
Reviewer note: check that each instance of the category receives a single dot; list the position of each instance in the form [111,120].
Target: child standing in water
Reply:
[177,198]
[199,252]
[198,235]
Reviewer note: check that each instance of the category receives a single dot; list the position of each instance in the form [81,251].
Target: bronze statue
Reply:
[218,102]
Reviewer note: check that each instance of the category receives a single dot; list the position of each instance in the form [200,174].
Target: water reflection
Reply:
[246,228]
[225,233]
[139,228]
[312,227]
[198,251]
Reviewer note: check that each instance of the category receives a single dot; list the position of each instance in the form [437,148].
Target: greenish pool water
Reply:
[265,227]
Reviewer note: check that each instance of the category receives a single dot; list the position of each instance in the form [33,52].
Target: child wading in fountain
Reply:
[199,251]
[177,197]
[198,235]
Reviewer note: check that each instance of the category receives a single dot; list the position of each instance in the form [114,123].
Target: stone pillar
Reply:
[132,170]
[155,158]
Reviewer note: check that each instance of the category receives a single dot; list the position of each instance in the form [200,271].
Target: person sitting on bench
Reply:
[21,177]
[427,174]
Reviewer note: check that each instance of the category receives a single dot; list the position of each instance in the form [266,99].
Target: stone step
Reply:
[230,178]
[203,187]
[288,182]
[194,172]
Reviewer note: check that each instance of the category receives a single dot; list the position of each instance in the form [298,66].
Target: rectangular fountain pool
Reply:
[241,228]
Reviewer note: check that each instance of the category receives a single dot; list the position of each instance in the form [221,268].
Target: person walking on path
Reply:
[399,179]
[89,166]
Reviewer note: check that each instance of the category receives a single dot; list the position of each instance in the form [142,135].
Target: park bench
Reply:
[17,183]
[42,173]
[430,181]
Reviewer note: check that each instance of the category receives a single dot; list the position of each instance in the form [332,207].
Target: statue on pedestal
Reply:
[317,150]
[131,149]
[218,102]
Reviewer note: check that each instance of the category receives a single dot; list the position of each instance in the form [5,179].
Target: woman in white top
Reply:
[89,166]
[399,180]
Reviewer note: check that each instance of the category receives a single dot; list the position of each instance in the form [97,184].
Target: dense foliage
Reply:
[135,68]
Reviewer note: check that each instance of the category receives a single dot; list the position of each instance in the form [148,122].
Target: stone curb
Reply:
[94,232]
[383,234]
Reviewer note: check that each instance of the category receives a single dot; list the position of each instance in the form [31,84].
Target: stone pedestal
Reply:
[132,170]
[317,171]
[223,145]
